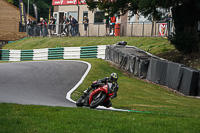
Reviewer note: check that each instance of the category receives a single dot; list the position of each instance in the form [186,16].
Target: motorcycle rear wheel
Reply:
[96,103]
[79,102]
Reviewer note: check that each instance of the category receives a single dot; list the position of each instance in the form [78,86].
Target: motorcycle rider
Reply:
[112,79]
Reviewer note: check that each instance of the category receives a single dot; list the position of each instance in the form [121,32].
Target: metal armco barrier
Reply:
[54,53]
[144,65]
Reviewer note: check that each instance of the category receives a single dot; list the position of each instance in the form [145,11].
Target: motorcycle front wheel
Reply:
[97,101]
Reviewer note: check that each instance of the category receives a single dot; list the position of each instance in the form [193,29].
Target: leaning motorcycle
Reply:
[97,97]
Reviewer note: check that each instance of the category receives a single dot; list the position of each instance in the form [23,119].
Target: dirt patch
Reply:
[191,60]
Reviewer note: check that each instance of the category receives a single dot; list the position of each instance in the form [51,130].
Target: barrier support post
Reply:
[143,30]
[132,29]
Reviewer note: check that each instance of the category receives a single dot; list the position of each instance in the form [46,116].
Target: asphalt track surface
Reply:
[39,83]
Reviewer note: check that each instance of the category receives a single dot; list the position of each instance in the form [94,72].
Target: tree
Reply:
[11,1]
[42,5]
[185,14]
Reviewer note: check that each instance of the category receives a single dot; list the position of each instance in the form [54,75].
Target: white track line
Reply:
[68,96]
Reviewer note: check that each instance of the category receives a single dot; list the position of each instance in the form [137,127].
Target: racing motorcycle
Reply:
[98,96]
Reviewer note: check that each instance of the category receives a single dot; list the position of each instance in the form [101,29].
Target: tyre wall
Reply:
[146,66]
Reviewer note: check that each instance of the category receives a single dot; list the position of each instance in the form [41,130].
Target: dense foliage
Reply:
[42,5]
[186,20]
[146,7]
[184,13]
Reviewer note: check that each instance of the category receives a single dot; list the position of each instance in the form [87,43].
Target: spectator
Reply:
[74,26]
[42,25]
[169,26]
[70,25]
[85,22]
[41,28]
[52,22]
[107,25]
[34,25]
[169,18]
[49,28]
[29,27]
[112,23]
[65,26]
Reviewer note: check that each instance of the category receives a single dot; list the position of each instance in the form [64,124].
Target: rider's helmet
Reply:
[114,77]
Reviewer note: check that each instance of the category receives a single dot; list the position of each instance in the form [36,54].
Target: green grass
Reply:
[138,95]
[150,44]
[168,112]
[42,119]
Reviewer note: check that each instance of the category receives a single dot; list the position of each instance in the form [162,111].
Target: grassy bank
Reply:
[168,112]
[42,119]
[153,45]
[139,95]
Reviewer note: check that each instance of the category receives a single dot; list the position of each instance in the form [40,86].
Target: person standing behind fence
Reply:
[112,23]
[85,22]
[70,24]
[34,25]
[42,25]
[107,25]
[53,22]
[76,27]
[49,28]
[73,26]
[169,25]
[29,27]
[65,26]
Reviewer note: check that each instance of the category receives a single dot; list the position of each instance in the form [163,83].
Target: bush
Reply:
[184,42]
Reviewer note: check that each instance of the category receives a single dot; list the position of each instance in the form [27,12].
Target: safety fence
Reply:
[54,53]
[144,65]
[132,29]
